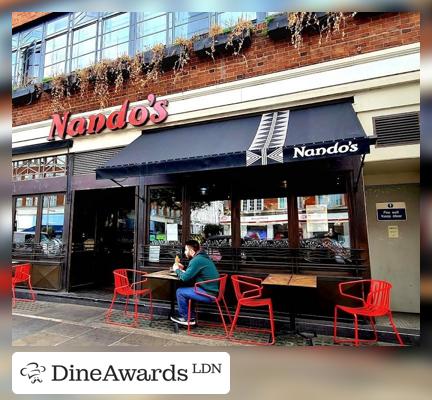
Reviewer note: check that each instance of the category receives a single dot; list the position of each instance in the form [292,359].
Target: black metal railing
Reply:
[325,262]
[53,251]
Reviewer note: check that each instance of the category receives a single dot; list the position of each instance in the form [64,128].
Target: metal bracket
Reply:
[119,184]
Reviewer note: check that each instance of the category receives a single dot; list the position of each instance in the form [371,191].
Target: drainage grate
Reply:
[87,162]
[397,129]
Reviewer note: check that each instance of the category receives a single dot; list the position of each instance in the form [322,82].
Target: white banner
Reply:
[120,373]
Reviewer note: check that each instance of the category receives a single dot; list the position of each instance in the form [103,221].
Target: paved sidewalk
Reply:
[43,323]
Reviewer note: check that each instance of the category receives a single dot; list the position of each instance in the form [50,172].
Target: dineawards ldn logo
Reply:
[121,373]
[33,371]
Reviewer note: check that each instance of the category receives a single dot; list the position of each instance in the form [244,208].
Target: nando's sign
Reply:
[63,125]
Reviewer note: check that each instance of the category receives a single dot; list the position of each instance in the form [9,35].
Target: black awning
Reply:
[275,137]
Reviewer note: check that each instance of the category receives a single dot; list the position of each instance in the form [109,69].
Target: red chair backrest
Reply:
[243,283]
[222,285]
[22,272]
[120,278]
[379,294]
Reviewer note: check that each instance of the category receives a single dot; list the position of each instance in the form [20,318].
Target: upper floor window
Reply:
[77,40]
[39,168]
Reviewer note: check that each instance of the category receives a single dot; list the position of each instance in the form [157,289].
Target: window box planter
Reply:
[25,95]
[202,47]
[170,56]
[277,27]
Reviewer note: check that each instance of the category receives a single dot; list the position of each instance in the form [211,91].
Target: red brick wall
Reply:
[21,18]
[265,56]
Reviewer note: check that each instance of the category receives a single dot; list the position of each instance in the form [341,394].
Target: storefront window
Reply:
[211,222]
[323,219]
[52,218]
[25,219]
[264,221]
[165,220]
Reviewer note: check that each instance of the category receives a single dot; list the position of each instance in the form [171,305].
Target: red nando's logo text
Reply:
[62,125]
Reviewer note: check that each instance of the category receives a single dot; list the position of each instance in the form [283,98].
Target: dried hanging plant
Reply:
[183,59]
[155,66]
[213,32]
[101,87]
[238,34]
[335,22]
[85,76]
[60,91]
[121,68]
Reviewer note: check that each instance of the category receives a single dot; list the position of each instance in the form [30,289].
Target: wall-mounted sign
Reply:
[339,148]
[393,231]
[154,253]
[391,211]
[62,125]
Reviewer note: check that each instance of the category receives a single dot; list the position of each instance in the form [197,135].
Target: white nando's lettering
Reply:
[303,151]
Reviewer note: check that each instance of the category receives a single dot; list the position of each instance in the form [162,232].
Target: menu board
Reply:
[154,253]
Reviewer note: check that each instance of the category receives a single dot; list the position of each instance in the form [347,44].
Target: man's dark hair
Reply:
[194,244]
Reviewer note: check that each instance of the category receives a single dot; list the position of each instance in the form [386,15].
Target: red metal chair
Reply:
[21,273]
[376,304]
[248,291]
[123,287]
[217,300]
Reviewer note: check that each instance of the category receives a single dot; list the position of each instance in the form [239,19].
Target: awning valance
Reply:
[275,137]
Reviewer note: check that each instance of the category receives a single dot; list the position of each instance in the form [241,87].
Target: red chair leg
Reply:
[151,305]
[13,296]
[335,340]
[189,316]
[223,319]
[395,330]
[108,314]
[234,323]
[356,333]
[227,311]
[272,324]
[374,329]
[31,290]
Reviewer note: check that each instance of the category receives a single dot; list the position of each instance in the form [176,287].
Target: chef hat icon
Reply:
[32,371]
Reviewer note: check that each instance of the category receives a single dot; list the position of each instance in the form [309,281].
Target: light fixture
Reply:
[204,190]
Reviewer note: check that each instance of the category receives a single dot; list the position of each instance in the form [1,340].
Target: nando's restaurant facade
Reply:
[274,191]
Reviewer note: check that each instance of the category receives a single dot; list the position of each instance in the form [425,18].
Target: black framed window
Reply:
[77,40]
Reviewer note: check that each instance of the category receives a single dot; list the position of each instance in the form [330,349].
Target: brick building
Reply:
[304,151]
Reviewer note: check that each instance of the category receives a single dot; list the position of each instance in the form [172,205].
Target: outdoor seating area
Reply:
[374,302]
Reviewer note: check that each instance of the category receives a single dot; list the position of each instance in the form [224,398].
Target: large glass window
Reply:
[165,220]
[115,39]
[263,220]
[25,219]
[84,47]
[52,218]
[79,39]
[187,24]
[211,221]
[151,29]
[323,218]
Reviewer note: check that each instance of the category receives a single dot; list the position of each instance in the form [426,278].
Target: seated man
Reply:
[201,268]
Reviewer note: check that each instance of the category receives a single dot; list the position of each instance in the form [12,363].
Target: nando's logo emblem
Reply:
[155,112]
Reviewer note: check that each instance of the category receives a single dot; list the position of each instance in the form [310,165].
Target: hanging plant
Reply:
[297,23]
[120,69]
[214,31]
[60,93]
[335,23]
[153,64]
[184,47]
[101,86]
[85,77]
[238,34]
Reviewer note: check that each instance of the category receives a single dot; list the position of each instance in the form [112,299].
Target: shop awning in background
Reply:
[331,130]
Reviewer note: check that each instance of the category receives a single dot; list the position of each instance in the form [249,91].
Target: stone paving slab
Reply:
[70,325]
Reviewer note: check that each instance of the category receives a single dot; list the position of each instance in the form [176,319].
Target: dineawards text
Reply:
[112,374]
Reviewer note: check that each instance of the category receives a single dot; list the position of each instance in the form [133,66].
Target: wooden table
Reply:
[172,279]
[291,280]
